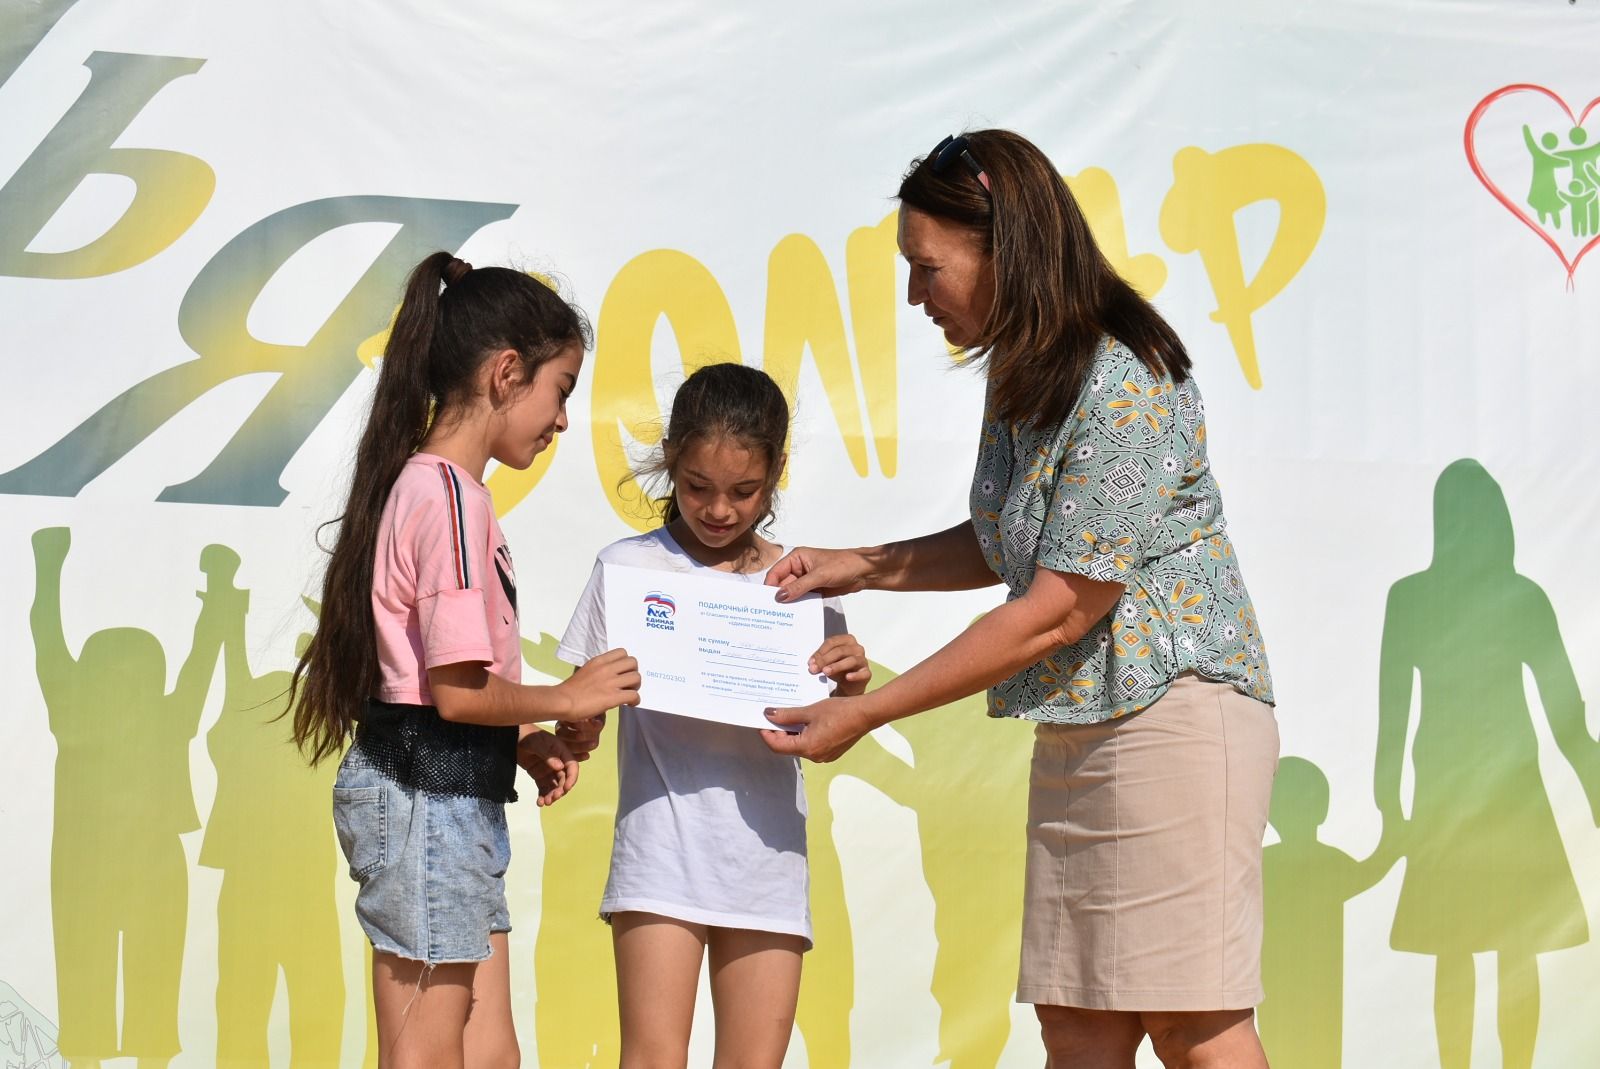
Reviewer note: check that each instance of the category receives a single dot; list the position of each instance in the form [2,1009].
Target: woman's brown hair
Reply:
[1055,294]
[430,365]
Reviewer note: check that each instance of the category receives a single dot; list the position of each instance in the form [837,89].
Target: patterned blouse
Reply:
[1120,491]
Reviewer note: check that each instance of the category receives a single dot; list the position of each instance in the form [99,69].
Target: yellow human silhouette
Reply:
[122,799]
[1306,884]
[1486,870]
[1208,189]
[270,833]
[828,979]
[970,813]
[576,1013]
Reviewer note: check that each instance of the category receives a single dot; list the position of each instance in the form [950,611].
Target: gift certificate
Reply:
[714,649]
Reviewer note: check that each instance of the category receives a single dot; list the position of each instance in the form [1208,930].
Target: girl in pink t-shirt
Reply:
[417,655]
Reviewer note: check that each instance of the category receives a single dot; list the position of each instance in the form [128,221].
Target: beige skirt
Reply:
[1144,855]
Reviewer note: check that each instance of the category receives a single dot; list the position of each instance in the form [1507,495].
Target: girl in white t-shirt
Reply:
[710,847]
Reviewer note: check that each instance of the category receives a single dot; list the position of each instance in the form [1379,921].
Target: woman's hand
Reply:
[945,560]
[842,659]
[829,572]
[827,728]
[552,765]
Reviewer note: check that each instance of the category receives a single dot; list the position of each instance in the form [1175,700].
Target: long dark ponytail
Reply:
[429,368]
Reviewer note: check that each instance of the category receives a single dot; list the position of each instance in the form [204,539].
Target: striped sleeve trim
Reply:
[458,525]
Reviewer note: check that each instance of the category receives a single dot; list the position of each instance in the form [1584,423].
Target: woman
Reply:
[1127,634]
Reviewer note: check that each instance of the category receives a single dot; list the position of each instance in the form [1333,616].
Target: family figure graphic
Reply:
[1486,869]
[1565,178]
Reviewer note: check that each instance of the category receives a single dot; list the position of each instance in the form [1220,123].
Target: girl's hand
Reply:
[581,736]
[552,765]
[829,572]
[842,659]
[606,682]
[827,729]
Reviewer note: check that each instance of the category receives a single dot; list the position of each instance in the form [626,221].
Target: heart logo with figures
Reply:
[1517,141]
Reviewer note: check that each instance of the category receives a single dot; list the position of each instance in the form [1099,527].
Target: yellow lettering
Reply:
[623,406]
[1096,193]
[1198,216]
[803,312]
[869,258]
[171,189]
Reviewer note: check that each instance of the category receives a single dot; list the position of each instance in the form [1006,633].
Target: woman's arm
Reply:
[948,560]
[470,693]
[1058,610]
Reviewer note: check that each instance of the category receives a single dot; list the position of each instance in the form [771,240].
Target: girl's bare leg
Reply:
[421,1011]
[658,972]
[490,1040]
[755,984]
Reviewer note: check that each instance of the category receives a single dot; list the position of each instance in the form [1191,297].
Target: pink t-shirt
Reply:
[443,589]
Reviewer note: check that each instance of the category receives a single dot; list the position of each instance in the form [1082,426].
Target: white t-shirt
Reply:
[711,824]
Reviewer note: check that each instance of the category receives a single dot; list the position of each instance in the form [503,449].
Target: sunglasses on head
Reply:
[951,149]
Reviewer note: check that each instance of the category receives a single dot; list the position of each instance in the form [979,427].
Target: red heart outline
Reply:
[1499,195]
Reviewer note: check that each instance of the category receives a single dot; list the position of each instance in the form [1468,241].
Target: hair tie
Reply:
[455,271]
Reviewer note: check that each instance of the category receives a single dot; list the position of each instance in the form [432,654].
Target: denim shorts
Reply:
[431,866]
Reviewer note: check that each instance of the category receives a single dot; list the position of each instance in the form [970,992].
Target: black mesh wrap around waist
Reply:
[419,749]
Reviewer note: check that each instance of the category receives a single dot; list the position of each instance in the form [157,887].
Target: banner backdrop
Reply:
[1368,221]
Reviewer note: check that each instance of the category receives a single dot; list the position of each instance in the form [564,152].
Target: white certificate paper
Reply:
[714,649]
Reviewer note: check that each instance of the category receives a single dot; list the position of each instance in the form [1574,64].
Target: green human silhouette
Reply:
[1584,198]
[270,834]
[1486,870]
[122,799]
[575,1014]
[1581,152]
[1582,191]
[1306,884]
[1543,195]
